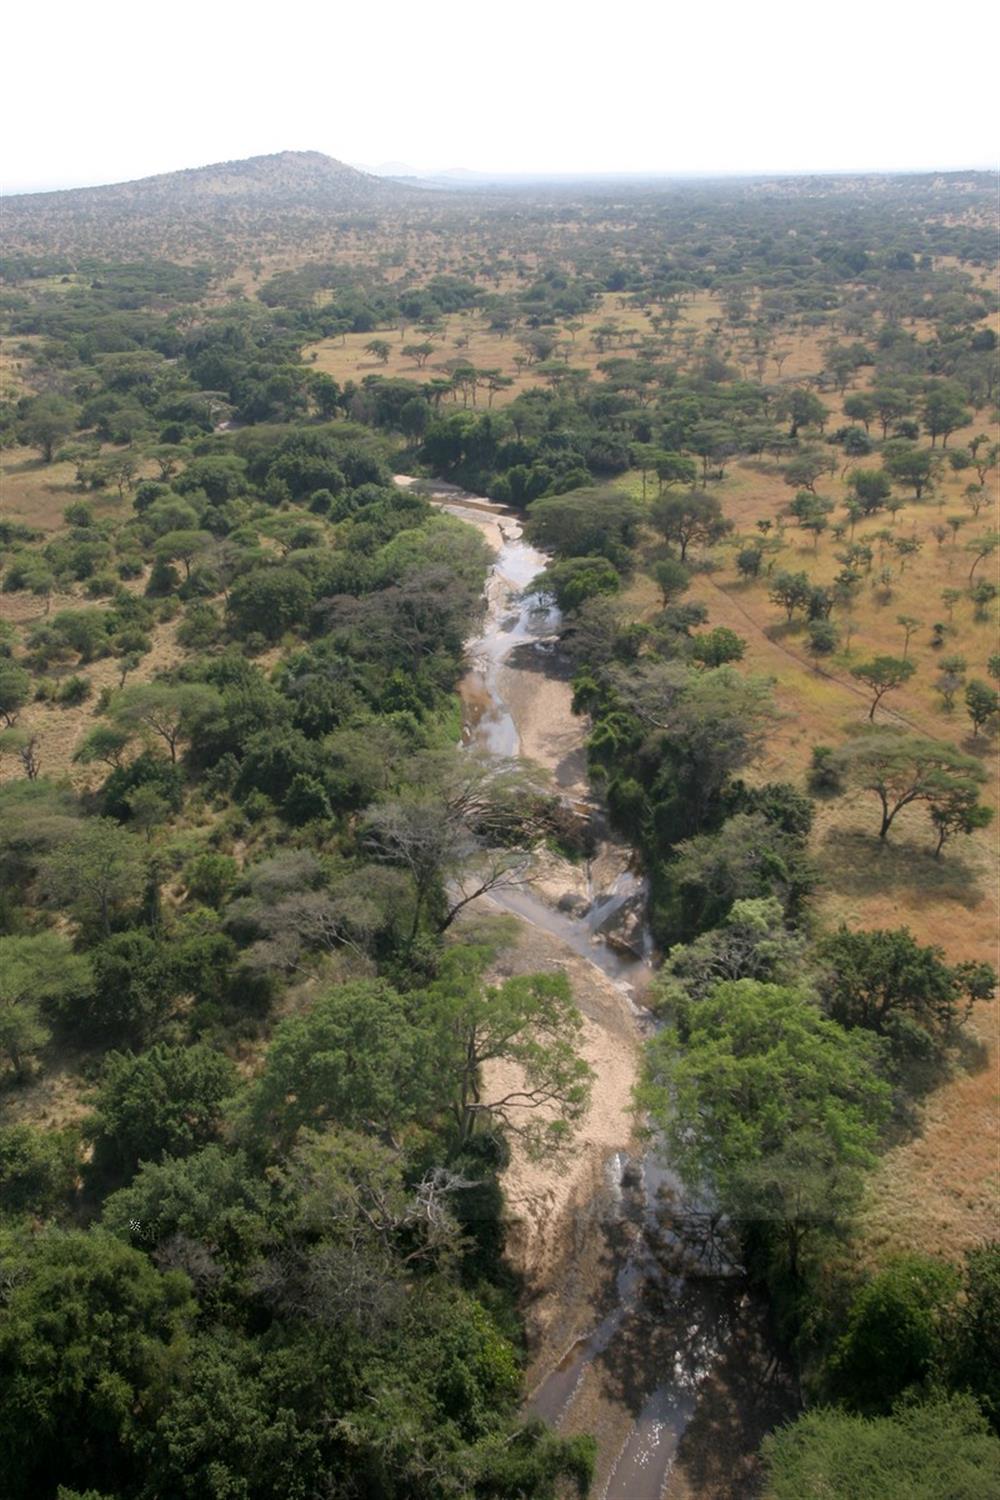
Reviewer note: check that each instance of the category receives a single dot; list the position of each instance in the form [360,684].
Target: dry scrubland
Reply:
[466,336]
[938,1190]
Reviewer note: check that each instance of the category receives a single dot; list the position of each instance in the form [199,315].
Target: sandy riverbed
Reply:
[551,1204]
[684,1381]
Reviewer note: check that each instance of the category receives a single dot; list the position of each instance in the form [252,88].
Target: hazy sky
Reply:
[105,91]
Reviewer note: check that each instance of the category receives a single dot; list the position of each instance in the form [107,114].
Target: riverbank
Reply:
[547,1199]
[551,1203]
[636,1334]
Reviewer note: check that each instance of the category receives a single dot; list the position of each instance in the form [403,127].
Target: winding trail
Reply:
[885,709]
[645,1332]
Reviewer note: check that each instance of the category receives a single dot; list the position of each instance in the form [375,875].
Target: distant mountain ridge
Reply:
[286,176]
[264,200]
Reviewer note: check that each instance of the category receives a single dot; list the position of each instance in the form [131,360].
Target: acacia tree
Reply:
[803,471]
[871,488]
[892,404]
[860,407]
[944,409]
[910,623]
[683,519]
[982,704]
[46,421]
[909,465]
[984,462]
[168,710]
[419,353]
[872,977]
[183,546]
[15,690]
[98,869]
[105,743]
[902,768]
[673,579]
[803,409]
[791,590]
[959,813]
[881,675]
[980,547]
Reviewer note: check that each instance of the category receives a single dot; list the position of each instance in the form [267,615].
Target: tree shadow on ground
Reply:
[860,864]
[982,746]
[706,1344]
[541,657]
[750,1392]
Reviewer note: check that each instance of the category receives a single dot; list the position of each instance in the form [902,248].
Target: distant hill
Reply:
[286,177]
[198,205]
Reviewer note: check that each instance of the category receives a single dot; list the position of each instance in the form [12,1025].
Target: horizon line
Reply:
[515,174]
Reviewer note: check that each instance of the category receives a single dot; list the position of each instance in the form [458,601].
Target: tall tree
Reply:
[769,1106]
[47,420]
[882,675]
[168,711]
[902,769]
[90,1339]
[683,519]
[97,870]
[530,1025]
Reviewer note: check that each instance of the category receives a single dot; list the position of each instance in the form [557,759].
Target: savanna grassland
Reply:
[250,1024]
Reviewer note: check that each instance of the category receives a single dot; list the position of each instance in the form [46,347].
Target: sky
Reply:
[109,91]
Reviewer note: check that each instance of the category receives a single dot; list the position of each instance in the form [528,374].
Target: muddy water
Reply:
[676,1372]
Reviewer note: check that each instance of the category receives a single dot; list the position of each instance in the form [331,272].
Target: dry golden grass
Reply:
[35,493]
[467,337]
[940,1192]
[15,362]
[936,1192]
[55,1096]
[821,696]
[61,730]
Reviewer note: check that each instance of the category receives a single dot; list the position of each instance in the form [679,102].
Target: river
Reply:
[662,1349]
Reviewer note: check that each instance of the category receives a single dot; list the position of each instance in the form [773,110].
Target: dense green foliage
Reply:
[266,1259]
[921,1452]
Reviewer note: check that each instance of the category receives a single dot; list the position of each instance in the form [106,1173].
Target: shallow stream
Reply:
[677,1370]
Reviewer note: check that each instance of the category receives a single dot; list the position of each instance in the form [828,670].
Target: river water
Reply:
[677,1374]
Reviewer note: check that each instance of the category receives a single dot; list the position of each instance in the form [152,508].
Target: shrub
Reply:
[824,772]
[72,692]
[134,982]
[147,770]
[823,637]
[38,1169]
[897,1332]
[210,878]
[168,1101]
